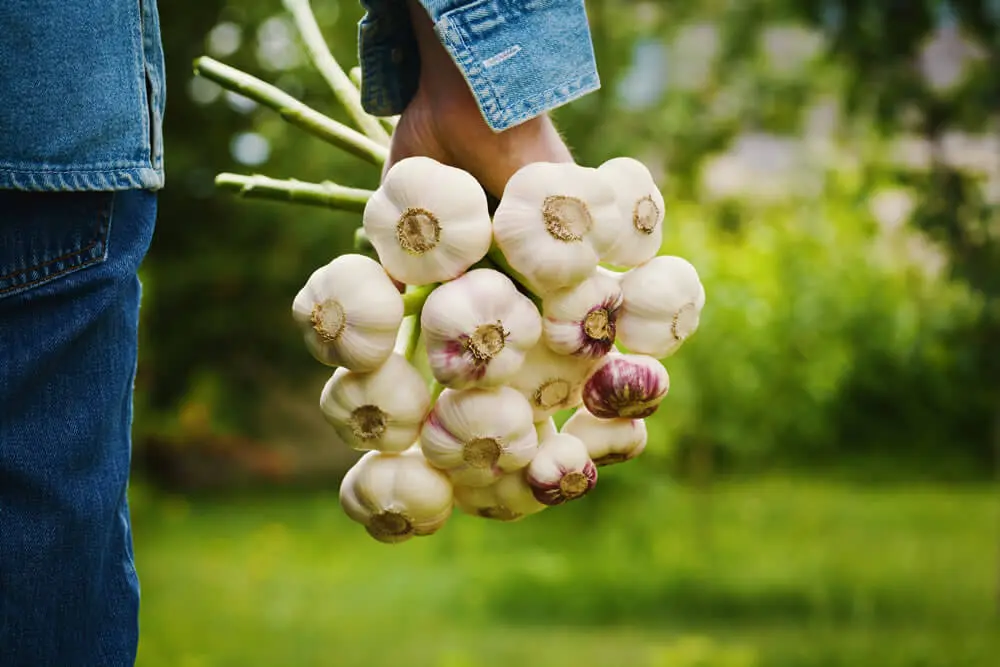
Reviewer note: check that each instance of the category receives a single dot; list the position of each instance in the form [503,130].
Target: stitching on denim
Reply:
[27,168]
[102,228]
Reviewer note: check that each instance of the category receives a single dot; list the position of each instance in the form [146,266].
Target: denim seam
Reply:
[102,228]
[143,178]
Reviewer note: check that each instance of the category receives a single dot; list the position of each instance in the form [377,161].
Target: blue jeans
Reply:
[69,315]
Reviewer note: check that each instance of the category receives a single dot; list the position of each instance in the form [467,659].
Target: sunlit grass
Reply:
[794,573]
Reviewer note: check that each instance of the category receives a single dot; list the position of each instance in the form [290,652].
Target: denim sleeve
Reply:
[521,58]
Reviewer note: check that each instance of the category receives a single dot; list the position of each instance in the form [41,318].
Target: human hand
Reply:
[444,122]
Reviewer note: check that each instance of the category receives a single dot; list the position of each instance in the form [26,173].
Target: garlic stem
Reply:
[390,122]
[330,69]
[413,300]
[497,257]
[327,194]
[292,110]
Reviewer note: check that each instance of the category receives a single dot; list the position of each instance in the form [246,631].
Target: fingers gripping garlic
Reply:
[349,312]
[551,382]
[561,470]
[508,499]
[629,386]
[477,435]
[554,222]
[396,496]
[381,410]
[477,329]
[582,320]
[427,221]
[662,305]
[641,204]
[608,441]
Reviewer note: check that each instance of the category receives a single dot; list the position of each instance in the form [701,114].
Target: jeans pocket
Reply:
[47,235]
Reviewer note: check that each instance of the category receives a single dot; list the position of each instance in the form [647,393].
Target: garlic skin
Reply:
[628,386]
[477,435]
[582,320]
[396,496]
[663,300]
[477,330]
[561,470]
[349,312]
[381,410]
[551,382]
[554,222]
[427,221]
[508,499]
[608,441]
[641,204]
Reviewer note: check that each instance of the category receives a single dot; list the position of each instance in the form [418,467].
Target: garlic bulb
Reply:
[608,441]
[382,410]
[477,329]
[554,222]
[662,306]
[427,221]
[508,499]
[551,382]
[561,470]
[349,312]
[477,435]
[629,386]
[582,320]
[396,496]
[641,204]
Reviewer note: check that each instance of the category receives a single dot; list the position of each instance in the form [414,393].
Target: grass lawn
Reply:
[796,573]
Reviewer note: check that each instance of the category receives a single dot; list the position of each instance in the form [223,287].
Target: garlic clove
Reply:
[477,330]
[396,496]
[428,222]
[508,499]
[641,204]
[381,410]
[629,386]
[349,312]
[582,320]
[477,435]
[561,470]
[662,305]
[608,441]
[554,222]
[551,382]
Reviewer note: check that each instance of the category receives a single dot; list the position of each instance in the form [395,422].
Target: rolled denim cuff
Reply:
[521,58]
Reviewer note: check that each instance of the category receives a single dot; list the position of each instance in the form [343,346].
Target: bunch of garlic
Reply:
[450,386]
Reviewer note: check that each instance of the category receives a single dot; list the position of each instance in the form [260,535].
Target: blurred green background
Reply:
[820,487]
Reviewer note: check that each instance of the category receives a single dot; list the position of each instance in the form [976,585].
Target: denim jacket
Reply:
[520,57]
[81,95]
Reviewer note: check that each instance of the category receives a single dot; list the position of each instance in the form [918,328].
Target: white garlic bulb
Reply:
[477,329]
[551,382]
[428,222]
[662,305]
[349,312]
[629,386]
[396,496]
[477,435]
[608,441]
[561,470]
[508,499]
[554,222]
[641,204]
[382,410]
[582,320]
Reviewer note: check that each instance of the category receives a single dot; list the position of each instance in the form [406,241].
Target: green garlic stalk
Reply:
[331,70]
[327,194]
[292,110]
